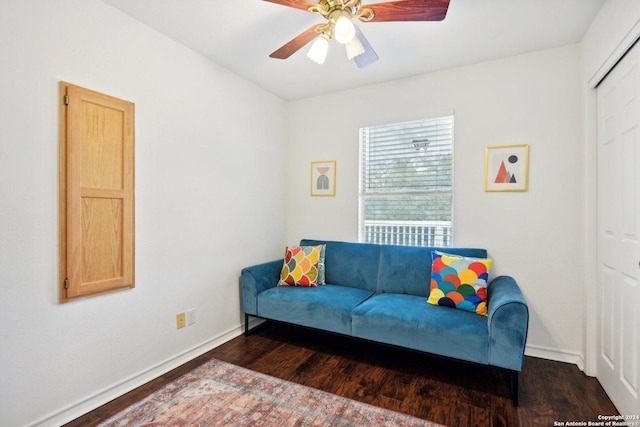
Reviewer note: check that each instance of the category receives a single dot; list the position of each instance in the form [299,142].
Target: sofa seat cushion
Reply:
[325,307]
[409,321]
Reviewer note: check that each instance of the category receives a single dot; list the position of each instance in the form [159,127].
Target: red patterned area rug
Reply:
[221,394]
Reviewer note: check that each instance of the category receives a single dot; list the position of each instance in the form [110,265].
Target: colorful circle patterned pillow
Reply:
[459,282]
[300,267]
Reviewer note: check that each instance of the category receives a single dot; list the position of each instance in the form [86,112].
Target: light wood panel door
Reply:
[619,234]
[97,192]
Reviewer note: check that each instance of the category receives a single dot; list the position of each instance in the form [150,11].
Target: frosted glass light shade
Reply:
[344,31]
[354,48]
[319,48]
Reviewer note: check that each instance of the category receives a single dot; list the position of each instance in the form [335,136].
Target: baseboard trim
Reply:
[106,395]
[555,354]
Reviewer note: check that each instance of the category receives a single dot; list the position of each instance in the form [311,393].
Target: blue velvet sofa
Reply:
[379,293]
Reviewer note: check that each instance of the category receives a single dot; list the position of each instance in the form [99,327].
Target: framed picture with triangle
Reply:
[506,168]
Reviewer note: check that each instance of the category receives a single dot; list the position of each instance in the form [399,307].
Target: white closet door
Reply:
[619,233]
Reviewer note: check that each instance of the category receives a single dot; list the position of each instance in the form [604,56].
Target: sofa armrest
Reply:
[508,322]
[256,279]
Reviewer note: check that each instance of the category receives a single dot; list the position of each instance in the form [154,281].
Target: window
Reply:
[406,183]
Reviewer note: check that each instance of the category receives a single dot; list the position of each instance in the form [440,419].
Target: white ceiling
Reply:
[240,35]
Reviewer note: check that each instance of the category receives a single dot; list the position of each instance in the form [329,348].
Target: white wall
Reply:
[535,236]
[209,179]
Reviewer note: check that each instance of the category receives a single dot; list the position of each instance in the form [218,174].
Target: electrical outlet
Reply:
[181,320]
[191,316]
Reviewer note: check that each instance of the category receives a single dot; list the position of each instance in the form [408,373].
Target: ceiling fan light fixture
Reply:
[340,16]
[344,31]
[319,48]
[354,48]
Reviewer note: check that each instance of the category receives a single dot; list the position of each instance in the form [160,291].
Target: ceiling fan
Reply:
[340,15]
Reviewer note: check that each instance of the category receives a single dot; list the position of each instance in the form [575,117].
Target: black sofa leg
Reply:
[246,324]
[513,385]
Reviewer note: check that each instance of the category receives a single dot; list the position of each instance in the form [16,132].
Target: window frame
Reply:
[442,238]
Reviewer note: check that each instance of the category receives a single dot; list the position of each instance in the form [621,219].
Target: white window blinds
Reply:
[406,183]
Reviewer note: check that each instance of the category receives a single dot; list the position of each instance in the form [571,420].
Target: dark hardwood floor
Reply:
[440,390]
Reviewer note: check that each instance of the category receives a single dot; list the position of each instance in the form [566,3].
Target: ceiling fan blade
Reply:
[298,4]
[296,44]
[369,56]
[410,10]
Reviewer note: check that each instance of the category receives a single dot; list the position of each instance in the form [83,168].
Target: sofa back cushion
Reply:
[383,268]
[407,269]
[350,264]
